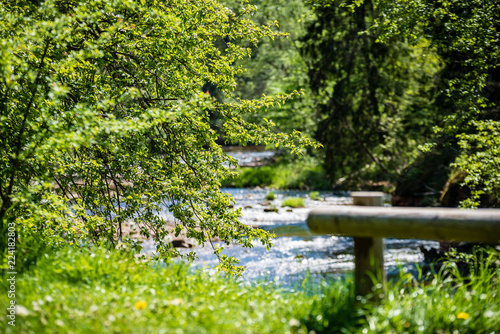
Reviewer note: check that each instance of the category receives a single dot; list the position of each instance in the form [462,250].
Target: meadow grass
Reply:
[97,291]
[449,302]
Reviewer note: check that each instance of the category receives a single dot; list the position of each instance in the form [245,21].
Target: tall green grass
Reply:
[450,302]
[314,195]
[96,291]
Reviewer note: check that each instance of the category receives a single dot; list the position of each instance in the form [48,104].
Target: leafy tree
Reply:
[466,36]
[277,67]
[374,98]
[103,122]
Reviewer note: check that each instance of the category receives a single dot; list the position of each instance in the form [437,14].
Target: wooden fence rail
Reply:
[369,225]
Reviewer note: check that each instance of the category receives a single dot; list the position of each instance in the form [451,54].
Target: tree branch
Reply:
[14,160]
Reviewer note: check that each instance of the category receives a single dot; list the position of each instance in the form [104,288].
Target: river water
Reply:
[297,252]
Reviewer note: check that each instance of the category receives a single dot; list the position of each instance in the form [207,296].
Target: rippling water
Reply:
[246,158]
[297,252]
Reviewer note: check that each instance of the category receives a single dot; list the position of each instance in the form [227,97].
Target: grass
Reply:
[272,208]
[304,174]
[293,202]
[82,291]
[270,196]
[314,195]
[96,291]
[448,303]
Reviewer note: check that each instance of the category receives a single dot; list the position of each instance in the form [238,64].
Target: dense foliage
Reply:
[277,67]
[104,106]
[408,93]
[373,98]
[101,107]
[466,36]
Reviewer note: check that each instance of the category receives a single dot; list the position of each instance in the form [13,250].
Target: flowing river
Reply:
[297,252]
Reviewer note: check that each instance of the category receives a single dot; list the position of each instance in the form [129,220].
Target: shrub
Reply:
[293,202]
[106,122]
[314,195]
[303,174]
[271,196]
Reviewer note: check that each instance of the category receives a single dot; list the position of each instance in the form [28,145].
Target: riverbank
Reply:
[300,174]
[96,291]
[265,170]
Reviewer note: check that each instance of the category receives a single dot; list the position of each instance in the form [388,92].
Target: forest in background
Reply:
[402,96]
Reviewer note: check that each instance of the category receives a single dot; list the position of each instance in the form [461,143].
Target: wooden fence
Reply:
[368,225]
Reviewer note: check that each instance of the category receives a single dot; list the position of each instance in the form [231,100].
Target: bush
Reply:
[65,124]
[314,195]
[293,202]
[271,196]
[304,174]
[253,177]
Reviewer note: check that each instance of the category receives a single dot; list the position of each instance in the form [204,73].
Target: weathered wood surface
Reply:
[368,198]
[368,265]
[368,252]
[482,225]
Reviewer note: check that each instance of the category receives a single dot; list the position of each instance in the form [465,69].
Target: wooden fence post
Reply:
[368,252]
[368,225]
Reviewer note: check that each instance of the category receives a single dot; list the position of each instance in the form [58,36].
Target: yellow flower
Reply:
[463,315]
[141,304]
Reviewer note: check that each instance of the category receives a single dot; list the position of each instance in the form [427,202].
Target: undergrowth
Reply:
[304,174]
